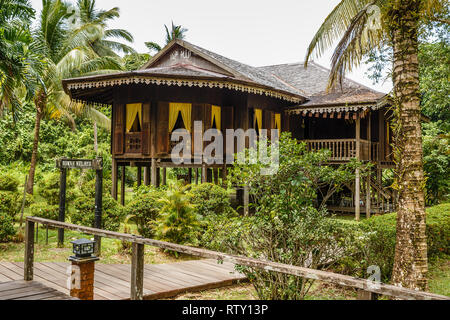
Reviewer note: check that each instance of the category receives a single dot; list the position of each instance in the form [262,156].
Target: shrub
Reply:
[9,202]
[112,212]
[376,237]
[49,188]
[7,230]
[8,183]
[210,199]
[177,221]
[287,226]
[45,211]
[144,209]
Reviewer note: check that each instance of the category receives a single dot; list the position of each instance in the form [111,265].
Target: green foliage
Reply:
[9,202]
[44,211]
[210,199]
[375,241]
[289,224]
[112,212]
[8,182]
[144,209]
[7,230]
[177,221]
[49,188]
[436,149]
[135,61]
[434,64]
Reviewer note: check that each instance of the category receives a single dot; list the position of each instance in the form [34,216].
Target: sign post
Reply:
[94,164]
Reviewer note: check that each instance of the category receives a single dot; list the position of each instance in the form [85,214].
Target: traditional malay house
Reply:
[184,83]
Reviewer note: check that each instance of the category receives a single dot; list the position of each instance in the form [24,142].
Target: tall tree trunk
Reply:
[40,102]
[410,262]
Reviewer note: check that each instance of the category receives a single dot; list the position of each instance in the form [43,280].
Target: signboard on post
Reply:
[94,164]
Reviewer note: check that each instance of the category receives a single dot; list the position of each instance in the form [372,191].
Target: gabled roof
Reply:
[184,64]
[313,82]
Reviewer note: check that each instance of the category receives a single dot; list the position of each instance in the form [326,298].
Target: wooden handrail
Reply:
[137,266]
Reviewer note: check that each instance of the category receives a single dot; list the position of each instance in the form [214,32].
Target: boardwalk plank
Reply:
[112,282]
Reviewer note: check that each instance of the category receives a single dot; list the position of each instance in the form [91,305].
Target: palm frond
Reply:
[335,24]
[153,46]
[358,40]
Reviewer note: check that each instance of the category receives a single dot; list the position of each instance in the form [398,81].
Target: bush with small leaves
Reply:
[210,199]
[144,209]
[44,211]
[112,213]
[7,230]
[49,188]
[8,182]
[9,201]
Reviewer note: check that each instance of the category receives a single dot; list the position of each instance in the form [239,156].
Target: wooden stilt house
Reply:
[184,83]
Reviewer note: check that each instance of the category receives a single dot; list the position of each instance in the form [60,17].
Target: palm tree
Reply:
[15,18]
[66,53]
[176,32]
[365,25]
[95,22]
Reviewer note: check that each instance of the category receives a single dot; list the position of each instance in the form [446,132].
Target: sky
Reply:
[254,32]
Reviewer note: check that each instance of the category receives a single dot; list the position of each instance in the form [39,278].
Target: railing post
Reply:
[137,272]
[29,251]
[366,295]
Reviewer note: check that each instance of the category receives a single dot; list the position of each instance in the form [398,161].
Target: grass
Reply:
[246,291]
[439,276]
[112,251]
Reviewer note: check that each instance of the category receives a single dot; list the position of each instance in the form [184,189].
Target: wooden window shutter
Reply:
[146,126]
[162,128]
[119,127]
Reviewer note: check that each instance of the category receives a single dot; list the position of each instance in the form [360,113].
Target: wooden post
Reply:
[164,176]
[98,207]
[29,251]
[216,176]
[366,295]
[224,176]
[158,177]
[139,176]
[357,174]
[204,173]
[122,186]
[246,200]
[137,272]
[368,197]
[153,173]
[189,175]
[62,204]
[369,135]
[114,175]
[196,175]
[146,175]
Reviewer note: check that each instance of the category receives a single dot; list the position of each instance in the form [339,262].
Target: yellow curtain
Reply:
[278,121]
[186,111]
[258,119]
[133,110]
[216,113]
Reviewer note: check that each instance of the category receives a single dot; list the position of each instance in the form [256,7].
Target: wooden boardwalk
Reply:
[112,282]
[30,290]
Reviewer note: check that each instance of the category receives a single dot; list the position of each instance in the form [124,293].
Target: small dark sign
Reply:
[95,164]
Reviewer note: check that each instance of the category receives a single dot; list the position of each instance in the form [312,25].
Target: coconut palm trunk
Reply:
[40,103]
[410,263]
